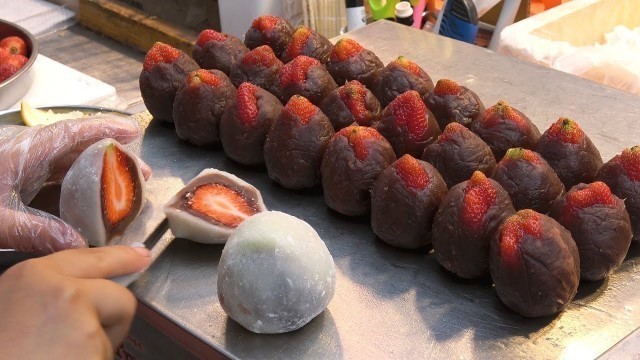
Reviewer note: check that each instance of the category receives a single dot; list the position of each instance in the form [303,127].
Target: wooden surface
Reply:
[131,26]
[99,57]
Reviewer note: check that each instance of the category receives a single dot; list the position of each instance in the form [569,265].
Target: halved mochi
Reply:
[210,207]
[102,192]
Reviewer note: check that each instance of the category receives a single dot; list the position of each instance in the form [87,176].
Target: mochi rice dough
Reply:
[275,274]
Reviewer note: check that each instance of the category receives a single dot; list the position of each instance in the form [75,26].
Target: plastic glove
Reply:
[31,157]
[61,307]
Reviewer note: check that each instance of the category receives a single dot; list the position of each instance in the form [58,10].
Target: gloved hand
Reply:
[61,307]
[31,157]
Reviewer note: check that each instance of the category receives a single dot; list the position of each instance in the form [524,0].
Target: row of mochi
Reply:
[406,123]
[298,145]
[358,170]
[310,66]
[271,42]
[208,109]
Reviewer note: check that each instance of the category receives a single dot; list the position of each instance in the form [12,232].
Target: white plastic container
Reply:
[565,38]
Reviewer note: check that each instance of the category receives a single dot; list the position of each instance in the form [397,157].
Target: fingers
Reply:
[100,263]
[70,138]
[30,230]
[115,306]
[33,155]
[93,128]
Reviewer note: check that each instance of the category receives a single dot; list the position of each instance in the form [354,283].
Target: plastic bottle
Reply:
[404,13]
[356,16]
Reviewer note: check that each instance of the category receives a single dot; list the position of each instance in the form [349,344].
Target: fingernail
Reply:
[140,248]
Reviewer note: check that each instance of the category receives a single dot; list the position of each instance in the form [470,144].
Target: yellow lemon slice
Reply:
[34,117]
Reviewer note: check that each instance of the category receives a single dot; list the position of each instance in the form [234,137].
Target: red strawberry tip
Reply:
[411,173]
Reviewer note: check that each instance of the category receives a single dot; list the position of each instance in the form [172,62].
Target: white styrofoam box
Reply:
[38,16]
[57,84]
[236,15]
[573,30]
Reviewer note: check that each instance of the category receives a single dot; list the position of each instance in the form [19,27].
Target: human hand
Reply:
[61,306]
[34,156]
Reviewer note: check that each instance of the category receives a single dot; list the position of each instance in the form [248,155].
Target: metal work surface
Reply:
[391,303]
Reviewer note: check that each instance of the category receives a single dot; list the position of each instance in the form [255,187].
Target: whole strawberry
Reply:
[398,77]
[305,76]
[164,70]
[219,51]
[15,45]
[465,223]
[273,31]
[199,105]
[355,157]
[4,54]
[529,180]
[11,65]
[599,224]
[350,61]
[408,124]
[458,153]
[351,103]
[308,42]
[503,127]
[570,152]
[295,144]
[622,175]
[450,102]
[260,67]
[404,200]
[245,123]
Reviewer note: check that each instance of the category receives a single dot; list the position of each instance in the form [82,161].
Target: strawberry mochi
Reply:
[103,192]
[210,207]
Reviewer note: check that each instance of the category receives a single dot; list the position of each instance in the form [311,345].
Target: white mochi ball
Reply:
[275,274]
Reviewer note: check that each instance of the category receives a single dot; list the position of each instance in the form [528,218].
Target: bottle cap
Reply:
[354,3]
[404,9]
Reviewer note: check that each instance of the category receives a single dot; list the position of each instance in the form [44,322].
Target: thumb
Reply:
[32,230]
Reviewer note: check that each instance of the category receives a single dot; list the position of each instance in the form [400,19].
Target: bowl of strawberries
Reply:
[18,52]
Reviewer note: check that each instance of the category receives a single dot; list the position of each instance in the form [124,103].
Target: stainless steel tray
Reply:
[399,304]
[391,303]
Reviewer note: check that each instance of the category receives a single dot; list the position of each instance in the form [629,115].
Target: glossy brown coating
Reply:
[530,185]
[159,85]
[263,76]
[394,80]
[544,278]
[293,150]
[219,55]
[363,67]
[624,186]
[457,153]
[340,114]
[602,233]
[347,180]
[402,215]
[197,110]
[317,46]
[459,247]
[502,133]
[317,85]
[462,108]
[277,37]
[244,143]
[573,162]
